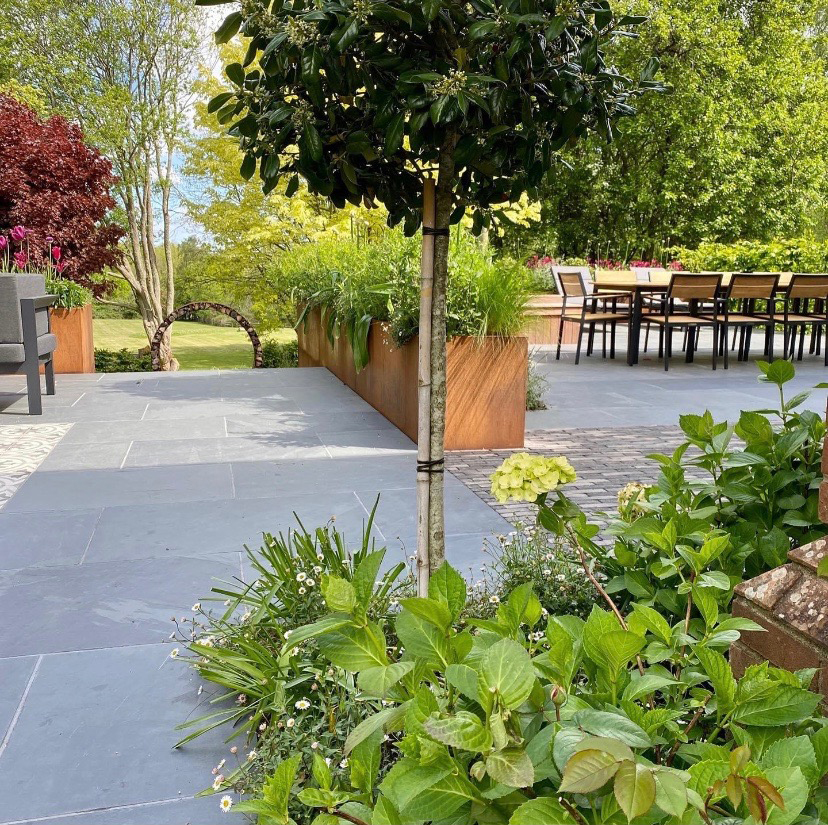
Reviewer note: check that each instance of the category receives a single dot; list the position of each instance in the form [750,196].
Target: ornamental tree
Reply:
[56,186]
[378,101]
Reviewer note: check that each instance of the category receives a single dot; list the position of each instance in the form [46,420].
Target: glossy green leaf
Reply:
[506,671]
[511,767]
[464,730]
[339,593]
[634,788]
[588,770]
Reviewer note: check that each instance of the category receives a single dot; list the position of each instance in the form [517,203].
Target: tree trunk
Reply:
[444,208]
[424,390]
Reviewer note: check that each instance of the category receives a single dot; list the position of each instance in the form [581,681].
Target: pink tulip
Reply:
[18,233]
[4,242]
[56,253]
[20,260]
[60,267]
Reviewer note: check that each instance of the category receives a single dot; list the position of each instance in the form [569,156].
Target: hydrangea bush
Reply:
[525,477]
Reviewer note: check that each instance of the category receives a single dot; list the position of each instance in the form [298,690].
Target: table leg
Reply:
[635,328]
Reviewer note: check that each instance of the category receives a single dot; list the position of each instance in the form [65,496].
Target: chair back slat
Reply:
[572,284]
[808,286]
[694,287]
[557,271]
[660,276]
[753,285]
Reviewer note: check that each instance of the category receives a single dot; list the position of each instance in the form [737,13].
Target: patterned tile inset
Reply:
[22,448]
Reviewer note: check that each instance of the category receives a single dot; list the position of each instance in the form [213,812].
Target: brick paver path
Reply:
[605,460]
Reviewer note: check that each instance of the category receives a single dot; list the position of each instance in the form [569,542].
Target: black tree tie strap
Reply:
[430,230]
[435,466]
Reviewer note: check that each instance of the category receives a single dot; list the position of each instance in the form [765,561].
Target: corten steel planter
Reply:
[73,329]
[543,319]
[485,382]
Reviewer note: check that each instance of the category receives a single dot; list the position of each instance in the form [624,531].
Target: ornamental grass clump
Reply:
[525,477]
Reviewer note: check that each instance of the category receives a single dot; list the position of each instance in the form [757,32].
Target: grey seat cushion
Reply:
[15,354]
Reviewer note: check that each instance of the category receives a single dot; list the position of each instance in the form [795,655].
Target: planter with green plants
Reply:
[359,318]
[72,325]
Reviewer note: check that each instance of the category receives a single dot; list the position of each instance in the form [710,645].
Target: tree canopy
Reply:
[360,99]
[57,187]
[738,150]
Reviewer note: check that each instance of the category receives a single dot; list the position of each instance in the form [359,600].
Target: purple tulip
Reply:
[18,233]
[20,260]
[4,242]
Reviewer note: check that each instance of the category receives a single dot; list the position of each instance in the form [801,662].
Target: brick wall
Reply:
[791,603]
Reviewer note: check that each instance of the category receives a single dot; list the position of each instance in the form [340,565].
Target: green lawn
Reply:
[197,346]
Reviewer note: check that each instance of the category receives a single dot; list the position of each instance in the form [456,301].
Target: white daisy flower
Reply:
[302,591]
[302,704]
[314,745]
[174,653]
[241,699]
[290,722]
[494,600]
[226,804]
[196,607]
[251,756]
[300,577]
[310,582]
[263,726]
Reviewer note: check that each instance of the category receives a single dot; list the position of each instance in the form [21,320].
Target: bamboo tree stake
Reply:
[424,390]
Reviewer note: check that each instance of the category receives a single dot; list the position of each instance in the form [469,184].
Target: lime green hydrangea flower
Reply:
[524,477]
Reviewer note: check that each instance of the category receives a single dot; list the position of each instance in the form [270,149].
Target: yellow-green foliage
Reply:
[524,477]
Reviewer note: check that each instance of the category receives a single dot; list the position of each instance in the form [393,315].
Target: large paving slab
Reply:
[96,731]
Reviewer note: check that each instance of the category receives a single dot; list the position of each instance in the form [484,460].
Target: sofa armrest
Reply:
[40,302]
[28,315]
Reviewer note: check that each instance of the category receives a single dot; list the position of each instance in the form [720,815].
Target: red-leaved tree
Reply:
[56,186]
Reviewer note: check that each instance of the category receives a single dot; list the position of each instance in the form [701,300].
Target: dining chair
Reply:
[805,304]
[743,292]
[576,295]
[692,302]
[608,301]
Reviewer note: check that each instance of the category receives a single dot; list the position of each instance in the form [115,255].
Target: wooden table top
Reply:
[633,285]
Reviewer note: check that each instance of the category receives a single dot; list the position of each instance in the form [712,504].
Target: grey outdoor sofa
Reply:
[26,340]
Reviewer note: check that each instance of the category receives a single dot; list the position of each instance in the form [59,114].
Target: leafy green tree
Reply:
[372,101]
[247,228]
[123,71]
[738,150]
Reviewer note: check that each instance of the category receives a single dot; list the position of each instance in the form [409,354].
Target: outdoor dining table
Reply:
[638,289]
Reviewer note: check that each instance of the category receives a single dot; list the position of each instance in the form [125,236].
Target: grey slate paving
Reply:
[192,528]
[15,675]
[109,604]
[97,731]
[52,538]
[77,489]
[180,811]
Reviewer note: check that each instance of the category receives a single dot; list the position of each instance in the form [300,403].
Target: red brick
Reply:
[780,645]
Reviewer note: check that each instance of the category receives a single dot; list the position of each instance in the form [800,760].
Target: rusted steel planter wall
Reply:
[73,329]
[543,319]
[485,383]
